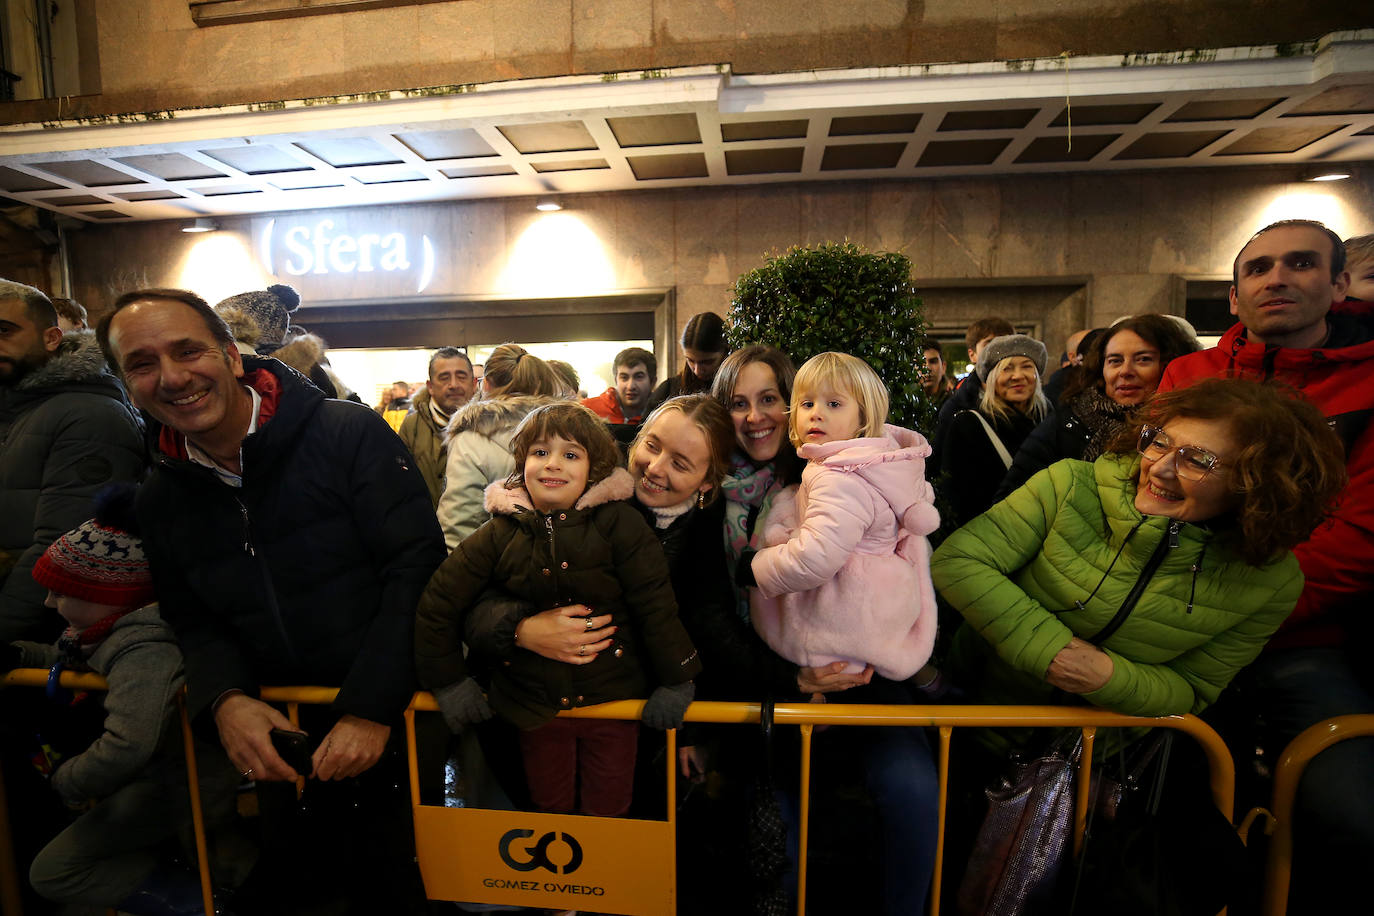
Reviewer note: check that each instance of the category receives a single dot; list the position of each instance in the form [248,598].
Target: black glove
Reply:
[462,704]
[744,569]
[667,705]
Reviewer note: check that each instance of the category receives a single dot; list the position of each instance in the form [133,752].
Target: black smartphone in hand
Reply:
[294,748]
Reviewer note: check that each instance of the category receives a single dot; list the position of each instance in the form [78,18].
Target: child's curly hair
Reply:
[571,421]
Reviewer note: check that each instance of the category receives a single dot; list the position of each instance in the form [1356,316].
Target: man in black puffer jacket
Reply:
[290,537]
[66,430]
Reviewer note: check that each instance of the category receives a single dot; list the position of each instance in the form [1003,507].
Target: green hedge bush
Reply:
[837,297]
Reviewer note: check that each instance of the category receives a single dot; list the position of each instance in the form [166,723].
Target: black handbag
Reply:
[1144,855]
[1023,843]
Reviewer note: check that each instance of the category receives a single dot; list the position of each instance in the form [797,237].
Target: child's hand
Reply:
[462,704]
[692,760]
[667,705]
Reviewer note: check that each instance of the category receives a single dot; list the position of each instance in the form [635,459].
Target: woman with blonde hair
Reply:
[979,446]
[479,435]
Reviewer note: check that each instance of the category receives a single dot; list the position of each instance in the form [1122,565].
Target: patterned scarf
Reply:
[1102,416]
[745,487]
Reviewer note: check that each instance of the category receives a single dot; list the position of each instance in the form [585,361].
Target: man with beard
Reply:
[66,430]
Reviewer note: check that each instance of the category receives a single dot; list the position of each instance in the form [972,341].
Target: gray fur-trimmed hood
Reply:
[490,417]
[78,361]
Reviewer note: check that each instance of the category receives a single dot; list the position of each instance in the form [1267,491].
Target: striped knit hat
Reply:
[100,560]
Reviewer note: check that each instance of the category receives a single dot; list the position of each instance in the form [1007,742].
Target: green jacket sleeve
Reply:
[972,570]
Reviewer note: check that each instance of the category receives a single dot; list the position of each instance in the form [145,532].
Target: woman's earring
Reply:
[701,499]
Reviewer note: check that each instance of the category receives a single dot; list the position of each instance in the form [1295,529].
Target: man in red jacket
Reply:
[1288,292]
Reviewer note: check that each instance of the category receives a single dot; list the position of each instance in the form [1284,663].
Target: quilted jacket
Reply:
[600,553]
[1060,557]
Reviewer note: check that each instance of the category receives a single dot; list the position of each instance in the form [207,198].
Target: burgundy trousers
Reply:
[585,765]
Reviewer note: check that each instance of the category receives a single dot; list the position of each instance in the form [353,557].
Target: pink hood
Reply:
[893,464]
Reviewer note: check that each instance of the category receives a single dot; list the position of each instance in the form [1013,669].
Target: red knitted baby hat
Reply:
[97,562]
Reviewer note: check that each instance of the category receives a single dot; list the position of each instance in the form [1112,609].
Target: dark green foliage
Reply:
[836,297]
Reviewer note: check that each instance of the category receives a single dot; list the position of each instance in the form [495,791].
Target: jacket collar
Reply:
[1351,339]
[78,362]
[501,500]
[287,398]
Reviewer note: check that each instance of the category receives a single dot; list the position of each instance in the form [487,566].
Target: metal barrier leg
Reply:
[188,745]
[1278,870]
[804,817]
[946,732]
[10,898]
[1082,785]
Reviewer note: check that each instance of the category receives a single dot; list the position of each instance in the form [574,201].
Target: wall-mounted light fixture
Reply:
[547,205]
[200,224]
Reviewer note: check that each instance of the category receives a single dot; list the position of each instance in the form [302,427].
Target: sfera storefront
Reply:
[469,274]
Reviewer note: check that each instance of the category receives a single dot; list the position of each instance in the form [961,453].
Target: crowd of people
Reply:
[187,495]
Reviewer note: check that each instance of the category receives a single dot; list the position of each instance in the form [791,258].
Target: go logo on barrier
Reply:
[539,852]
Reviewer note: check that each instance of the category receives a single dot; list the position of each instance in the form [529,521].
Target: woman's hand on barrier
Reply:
[245,729]
[831,678]
[1080,667]
[352,746]
[573,634]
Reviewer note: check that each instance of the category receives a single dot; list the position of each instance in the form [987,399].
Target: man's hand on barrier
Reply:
[831,678]
[1080,667]
[352,746]
[245,729]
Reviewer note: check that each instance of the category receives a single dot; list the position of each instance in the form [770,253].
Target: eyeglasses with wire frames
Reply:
[1193,463]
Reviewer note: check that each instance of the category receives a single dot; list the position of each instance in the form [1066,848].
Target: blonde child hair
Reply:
[844,373]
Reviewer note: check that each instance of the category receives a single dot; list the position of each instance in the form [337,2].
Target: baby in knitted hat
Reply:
[132,777]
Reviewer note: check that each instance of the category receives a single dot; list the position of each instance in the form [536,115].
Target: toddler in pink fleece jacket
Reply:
[845,571]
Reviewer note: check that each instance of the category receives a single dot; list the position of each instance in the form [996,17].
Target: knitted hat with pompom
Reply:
[101,560]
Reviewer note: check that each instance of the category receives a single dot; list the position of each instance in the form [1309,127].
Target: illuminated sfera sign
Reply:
[319,249]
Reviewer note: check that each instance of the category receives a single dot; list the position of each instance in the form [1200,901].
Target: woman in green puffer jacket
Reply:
[1145,580]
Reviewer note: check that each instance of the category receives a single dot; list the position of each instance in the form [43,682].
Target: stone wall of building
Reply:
[152,56]
[1055,251]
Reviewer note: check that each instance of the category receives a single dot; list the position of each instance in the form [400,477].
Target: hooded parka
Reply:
[600,553]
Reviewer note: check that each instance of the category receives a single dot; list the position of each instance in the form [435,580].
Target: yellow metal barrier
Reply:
[502,850]
[1294,759]
[804,715]
[10,886]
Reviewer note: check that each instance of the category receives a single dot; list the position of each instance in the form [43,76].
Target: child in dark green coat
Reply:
[562,533]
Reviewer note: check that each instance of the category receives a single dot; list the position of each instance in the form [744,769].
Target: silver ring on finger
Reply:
[589,624]
[581,650]
[247,774]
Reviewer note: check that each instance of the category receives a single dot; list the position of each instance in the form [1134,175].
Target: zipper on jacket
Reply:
[1167,543]
[268,588]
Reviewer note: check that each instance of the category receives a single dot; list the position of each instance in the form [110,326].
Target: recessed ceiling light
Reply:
[200,224]
[547,205]
[1333,173]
